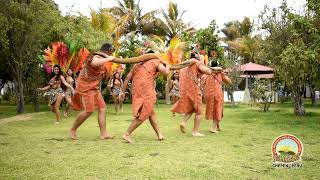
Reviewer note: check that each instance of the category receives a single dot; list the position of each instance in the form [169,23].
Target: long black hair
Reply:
[114,78]
[74,80]
[53,74]
[173,78]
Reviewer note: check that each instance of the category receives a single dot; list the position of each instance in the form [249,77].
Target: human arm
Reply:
[203,69]
[98,61]
[44,88]
[63,80]
[226,79]
[126,81]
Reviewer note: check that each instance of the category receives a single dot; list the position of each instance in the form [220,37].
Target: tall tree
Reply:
[173,24]
[292,48]
[28,24]
[129,18]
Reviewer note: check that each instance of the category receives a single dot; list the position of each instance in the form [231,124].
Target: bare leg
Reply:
[134,125]
[195,131]
[218,126]
[102,125]
[121,103]
[214,128]
[183,123]
[69,104]
[56,108]
[82,116]
[115,100]
[155,125]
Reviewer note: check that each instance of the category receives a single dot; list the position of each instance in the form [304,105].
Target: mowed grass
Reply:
[32,147]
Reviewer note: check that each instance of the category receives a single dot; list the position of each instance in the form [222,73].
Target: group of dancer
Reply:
[55,93]
[185,90]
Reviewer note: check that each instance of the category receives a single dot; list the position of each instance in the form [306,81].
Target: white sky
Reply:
[199,12]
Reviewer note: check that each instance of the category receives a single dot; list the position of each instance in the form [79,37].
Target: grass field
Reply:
[32,147]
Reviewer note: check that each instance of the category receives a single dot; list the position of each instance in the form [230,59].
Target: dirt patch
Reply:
[21,117]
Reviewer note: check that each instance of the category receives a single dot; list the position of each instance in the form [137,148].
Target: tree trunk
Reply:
[230,95]
[19,92]
[313,96]
[299,103]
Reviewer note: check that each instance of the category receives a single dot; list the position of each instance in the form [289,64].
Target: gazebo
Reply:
[253,70]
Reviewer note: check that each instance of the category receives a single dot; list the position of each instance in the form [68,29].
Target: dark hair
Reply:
[193,55]
[74,80]
[172,77]
[114,77]
[214,63]
[53,74]
[106,47]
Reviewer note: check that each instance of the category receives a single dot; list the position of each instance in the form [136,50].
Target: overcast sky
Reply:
[199,12]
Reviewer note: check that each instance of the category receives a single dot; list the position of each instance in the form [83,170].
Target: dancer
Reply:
[68,93]
[174,87]
[88,96]
[55,93]
[144,95]
[214,97]
[115,86]
[190,96]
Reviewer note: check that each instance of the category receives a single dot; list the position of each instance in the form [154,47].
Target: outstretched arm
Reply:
[96,61]
[44,88]
[183,64]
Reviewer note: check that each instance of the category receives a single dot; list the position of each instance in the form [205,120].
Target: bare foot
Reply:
[197,134]
[218,128]
[57,123]
[109,136]
[160,137]
[183,127]
[127,138]
[72,134]
[214,130]
[66,114]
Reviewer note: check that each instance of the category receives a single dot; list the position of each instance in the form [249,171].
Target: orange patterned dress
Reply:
[88,95]
[214,96]
[143,88]
[190,95]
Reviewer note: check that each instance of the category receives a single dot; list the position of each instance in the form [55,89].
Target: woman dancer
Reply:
[115,88]
[55,93]
[68,94]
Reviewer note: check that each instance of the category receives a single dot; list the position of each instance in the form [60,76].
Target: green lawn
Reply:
[32,147]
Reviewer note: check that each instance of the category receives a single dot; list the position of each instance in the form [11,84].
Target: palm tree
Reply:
[129,17]
[173,25]
[102,20]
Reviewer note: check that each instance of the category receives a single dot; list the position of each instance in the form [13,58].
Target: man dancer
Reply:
[144,95]
[88,96]
[214,97]
[190,95]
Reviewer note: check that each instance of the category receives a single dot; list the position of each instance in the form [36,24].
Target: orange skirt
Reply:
[214,108]
[187,105]
[88,101]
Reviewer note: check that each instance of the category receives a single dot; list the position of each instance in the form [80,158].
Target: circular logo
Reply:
[286,149]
